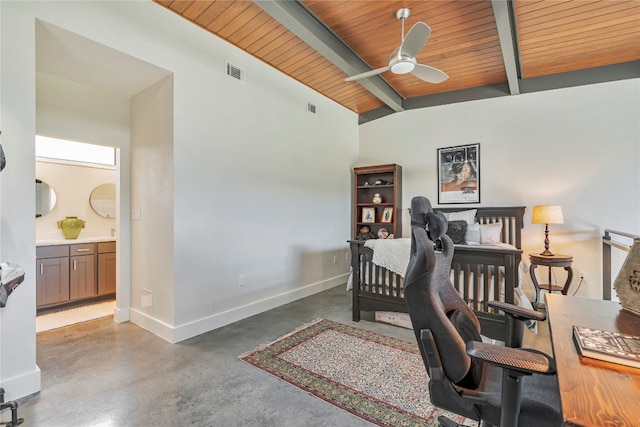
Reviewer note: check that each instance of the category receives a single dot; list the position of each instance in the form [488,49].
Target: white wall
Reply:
[19,374]
[152,279]
[261,187]
[577,147]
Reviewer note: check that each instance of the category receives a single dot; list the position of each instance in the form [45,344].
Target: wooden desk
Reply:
[593,392]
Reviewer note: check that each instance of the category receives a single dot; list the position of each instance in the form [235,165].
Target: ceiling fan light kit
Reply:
[403,67]
[403,59]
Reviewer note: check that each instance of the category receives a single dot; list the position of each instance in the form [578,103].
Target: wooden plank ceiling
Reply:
[552,36]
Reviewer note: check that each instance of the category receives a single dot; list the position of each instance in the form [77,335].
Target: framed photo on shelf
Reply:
[368,215]
[387,215]
[459,174]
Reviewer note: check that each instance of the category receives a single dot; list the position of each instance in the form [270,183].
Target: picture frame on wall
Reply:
[387,215]
[368,215]
[459,174]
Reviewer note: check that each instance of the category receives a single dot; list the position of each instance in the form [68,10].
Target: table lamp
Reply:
[547,215]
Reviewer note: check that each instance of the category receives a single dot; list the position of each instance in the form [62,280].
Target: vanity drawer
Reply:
[106,247]
[82,249]
[57,251]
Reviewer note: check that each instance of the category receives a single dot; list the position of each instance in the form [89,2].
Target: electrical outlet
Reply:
[335,259]
[582,276]
[242,280]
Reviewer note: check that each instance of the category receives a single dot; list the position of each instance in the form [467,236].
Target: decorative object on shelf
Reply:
[459,174]
[547,215]
[387,215]
[365,233]
[71,227]
[369,215]
[627,283]
[383,233]
[380,182]
[377,199]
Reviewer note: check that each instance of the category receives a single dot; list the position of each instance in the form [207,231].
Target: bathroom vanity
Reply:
[74,272]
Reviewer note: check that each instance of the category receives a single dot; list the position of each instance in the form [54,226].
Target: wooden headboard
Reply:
[512,218]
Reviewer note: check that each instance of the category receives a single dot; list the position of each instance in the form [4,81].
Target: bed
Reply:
[489,270]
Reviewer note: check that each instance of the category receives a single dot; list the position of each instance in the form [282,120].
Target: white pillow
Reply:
[490,233]
[472,235]
[469,216]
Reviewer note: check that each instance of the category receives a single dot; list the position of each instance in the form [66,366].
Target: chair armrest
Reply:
[515,359]
[516,311]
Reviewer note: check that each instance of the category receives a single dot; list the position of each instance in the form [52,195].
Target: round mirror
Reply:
[45,198]
[103,200]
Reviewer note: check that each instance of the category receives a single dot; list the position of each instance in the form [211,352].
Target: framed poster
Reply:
[459,174]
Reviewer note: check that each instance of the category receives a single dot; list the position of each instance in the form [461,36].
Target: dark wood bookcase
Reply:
[385,180]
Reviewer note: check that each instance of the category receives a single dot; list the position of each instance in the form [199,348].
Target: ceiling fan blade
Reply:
[429,74]
[367,74]
[415,40]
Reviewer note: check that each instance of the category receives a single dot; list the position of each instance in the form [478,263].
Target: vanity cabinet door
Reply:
[52,281]
[82,283]
[52,275]
[106,268]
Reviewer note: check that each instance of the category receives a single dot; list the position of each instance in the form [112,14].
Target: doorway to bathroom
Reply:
[76,233]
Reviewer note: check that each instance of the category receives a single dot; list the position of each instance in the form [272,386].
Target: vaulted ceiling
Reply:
[487,48]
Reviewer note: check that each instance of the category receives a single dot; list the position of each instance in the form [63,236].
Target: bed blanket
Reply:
[392,254]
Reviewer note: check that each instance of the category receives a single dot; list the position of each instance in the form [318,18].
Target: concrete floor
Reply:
[100,373]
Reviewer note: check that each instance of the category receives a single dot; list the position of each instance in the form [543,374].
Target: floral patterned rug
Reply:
[378,378]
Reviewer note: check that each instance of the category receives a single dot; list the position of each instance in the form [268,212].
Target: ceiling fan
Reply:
[403,59]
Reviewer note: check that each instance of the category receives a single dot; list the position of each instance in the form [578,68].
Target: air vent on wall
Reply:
[234,71]
[311,108]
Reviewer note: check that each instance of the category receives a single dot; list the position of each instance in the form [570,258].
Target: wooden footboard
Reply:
[478,274]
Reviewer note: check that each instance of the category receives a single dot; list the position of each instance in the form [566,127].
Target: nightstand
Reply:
[557,260]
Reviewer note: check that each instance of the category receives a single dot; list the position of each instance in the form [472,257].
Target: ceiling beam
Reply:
[507,36]
[589,76]
[295,17]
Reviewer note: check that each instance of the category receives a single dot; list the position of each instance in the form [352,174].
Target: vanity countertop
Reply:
[62,241]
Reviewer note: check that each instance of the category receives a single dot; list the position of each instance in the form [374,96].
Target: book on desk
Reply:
[608,346]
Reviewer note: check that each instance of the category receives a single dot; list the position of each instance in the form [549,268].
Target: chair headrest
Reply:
[422,215]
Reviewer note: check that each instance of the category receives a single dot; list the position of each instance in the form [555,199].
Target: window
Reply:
[73,151]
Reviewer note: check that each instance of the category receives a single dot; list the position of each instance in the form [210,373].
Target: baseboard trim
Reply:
[218,320]
[22,385]
[121,315]
[191,329]
[151,324]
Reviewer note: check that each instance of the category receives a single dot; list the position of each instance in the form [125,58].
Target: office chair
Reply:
[492,384]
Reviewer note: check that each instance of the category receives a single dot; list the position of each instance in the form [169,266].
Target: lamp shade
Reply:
[547,215]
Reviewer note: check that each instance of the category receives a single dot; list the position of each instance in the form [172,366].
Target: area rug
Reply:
[59,319]
[378,378]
